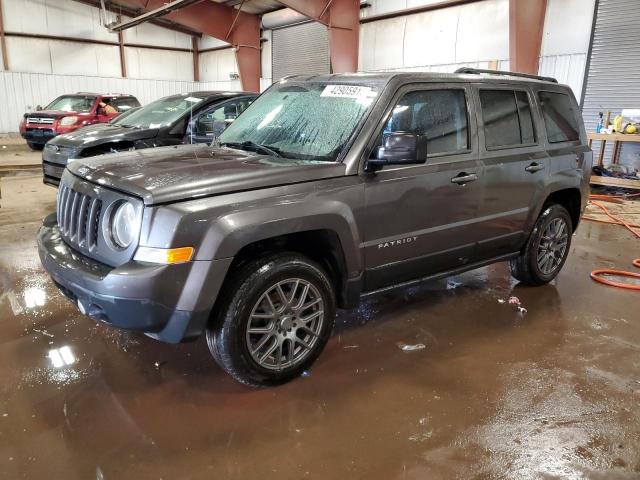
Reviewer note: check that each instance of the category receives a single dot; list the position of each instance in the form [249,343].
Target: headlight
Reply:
[68,120]
[125,225]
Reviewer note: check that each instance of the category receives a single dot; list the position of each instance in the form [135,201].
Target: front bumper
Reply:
[39,136]
[171,303]
[55,159]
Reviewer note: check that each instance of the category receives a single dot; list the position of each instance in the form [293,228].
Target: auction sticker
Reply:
[347,91]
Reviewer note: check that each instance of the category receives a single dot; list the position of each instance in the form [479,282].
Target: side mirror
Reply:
[219,126]
[38,108]
[399,148]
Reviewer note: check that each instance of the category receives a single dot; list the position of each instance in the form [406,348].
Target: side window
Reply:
[124,104]
[440,115]
[559,117]
[507,118]
[214,121]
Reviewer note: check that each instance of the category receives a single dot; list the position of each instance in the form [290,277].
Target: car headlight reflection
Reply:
[125,225]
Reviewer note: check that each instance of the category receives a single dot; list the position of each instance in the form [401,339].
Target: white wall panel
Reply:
[478,32]
[209,42]
[55,56]
[567,27]
[21,92]
[149,34]
[217,65]
[69,18]
[424,31]
[55,17]
[386,6]
[565,42]
[158,64]
[483,31]
[567,69]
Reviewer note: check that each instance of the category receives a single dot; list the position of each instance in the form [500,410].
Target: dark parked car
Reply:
[195,117]
[325,189]
[71,112]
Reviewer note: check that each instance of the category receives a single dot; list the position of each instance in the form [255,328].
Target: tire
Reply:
[35,146]
[249,300]
[547,248]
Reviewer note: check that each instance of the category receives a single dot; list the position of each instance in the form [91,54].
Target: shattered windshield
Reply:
[72,103]
[309,121]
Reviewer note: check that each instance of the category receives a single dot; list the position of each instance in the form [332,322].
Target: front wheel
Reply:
[547,247]
[276,316]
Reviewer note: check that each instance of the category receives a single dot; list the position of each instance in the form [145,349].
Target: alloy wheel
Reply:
[285,324]
[552,246]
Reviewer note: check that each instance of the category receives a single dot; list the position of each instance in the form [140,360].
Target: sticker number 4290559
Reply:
[347,91]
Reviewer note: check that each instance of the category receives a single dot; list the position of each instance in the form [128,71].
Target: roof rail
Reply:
[478,71]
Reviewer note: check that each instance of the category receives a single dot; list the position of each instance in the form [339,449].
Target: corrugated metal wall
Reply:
[300,49]
[613,81]
[20,92]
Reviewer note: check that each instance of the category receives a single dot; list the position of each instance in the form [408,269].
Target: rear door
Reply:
[419,219]
[515,166]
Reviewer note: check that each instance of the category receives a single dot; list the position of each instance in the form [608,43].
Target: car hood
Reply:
[99,133]
[169,174]
[51,113]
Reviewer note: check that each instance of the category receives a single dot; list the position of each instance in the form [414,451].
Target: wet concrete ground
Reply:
[553,393]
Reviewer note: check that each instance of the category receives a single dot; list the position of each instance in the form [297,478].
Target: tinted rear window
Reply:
[507,118]
[560,117]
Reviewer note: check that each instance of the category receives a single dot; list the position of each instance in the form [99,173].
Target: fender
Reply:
[234,231]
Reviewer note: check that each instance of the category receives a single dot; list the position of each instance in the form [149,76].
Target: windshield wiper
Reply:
[249,145]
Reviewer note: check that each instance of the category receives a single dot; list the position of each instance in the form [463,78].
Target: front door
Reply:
[419,219]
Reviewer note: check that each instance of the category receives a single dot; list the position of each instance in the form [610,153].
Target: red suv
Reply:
[70,112]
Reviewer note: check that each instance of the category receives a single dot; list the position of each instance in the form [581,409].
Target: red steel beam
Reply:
[217,20]
[342,18]
[3,44]
[196,59]
[526,25]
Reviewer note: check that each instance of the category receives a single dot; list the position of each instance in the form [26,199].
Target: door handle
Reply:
[464,177]
[534,167]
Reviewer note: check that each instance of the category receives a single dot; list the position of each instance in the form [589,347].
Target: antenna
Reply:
[191,125]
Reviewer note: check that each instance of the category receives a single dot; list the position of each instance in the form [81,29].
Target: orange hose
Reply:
[597,274]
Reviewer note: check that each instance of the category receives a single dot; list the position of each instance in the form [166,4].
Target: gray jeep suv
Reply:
[325,189]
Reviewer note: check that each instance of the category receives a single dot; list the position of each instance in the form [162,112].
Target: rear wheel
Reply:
[35,146]
[547,248]
[276,317]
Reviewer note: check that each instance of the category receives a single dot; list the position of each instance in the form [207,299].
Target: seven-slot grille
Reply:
[42,120]
[78,217]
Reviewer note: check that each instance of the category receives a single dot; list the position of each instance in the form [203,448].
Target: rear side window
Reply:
[560,117]
[440,115]
[507,118]
[124,104]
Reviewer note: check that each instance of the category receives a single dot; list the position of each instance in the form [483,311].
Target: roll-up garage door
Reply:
[301,49]
[614,68]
